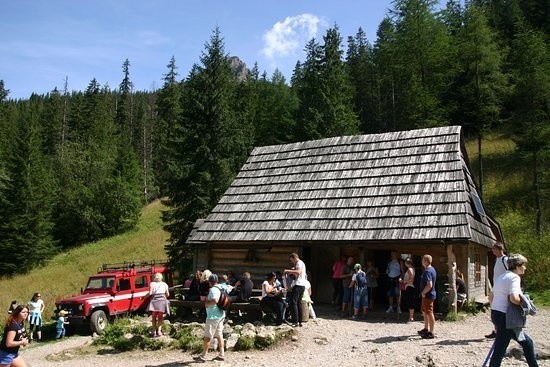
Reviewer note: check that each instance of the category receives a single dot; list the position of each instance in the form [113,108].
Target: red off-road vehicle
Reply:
[116,289]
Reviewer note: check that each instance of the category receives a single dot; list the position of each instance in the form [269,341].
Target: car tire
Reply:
[98,322]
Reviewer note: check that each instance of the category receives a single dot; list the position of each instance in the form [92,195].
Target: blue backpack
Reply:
[361,279]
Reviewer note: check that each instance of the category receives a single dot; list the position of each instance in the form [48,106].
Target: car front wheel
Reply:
[98,322]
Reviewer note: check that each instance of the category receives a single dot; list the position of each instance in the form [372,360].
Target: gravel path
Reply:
[330,340]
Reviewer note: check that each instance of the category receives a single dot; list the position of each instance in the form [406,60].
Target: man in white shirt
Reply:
[297,288]
[499,269]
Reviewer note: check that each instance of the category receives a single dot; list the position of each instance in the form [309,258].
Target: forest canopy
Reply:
[77,166]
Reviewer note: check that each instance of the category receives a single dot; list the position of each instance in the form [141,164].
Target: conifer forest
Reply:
[77,166]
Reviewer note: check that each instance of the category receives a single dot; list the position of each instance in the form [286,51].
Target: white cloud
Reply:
[285,37]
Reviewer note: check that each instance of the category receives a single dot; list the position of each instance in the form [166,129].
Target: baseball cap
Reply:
[213,278]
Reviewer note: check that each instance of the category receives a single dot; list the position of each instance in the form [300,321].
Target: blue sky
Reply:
[45,41]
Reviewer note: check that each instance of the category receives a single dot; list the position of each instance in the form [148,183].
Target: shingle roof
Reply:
[408,185]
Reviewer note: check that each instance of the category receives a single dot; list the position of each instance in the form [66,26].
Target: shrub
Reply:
[244,343]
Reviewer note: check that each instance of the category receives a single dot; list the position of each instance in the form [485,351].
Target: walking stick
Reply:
[489,354]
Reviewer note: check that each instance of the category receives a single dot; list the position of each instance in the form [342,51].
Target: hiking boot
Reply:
[428,335]
[219,358]
[199,358]
[492,335]
[423,332]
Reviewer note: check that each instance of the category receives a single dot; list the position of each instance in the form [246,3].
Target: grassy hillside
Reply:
[66,273]
[507,197]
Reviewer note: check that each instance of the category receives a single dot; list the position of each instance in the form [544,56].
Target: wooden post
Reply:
[451,263]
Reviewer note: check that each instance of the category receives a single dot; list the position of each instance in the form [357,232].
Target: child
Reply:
[60,327]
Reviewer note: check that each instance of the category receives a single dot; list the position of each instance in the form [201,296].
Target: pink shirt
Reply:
[337,269]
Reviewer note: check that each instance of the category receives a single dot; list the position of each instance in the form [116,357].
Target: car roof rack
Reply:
[131,266]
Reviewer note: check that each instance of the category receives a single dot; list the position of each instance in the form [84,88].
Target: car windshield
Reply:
[101,283]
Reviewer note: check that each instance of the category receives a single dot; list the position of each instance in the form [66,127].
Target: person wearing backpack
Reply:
[360,296]
[213,326]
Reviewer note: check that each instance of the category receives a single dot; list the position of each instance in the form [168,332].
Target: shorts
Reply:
[427,305]
[346,295]
[393,287]
[213,328]
[361,298]
[7,357]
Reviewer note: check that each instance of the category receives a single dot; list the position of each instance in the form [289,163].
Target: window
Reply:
[123,284]
[141,282]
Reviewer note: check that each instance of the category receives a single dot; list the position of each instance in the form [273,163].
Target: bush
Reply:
[187,340]
[244,343]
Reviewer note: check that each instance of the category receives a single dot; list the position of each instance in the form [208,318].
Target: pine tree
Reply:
[206,147]
[361,71]
[324,92]
[421,56]
[169,116]
[481,85]
[531,101]
[27,225]
[386,76]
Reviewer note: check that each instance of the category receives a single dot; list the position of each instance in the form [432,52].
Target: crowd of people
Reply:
[356,288]
[287,294]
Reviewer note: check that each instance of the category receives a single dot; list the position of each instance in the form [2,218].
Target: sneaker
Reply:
[353,317]
[411,319]
[492,335]
[423,332]
[389,310]
[428,335]
[219,358]
[294,325]
[199,358]
[398,309]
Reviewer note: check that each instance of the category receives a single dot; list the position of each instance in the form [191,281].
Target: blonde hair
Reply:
[205,275]
[157,277]
[427,258]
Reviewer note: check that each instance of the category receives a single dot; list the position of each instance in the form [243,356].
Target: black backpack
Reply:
[224,300]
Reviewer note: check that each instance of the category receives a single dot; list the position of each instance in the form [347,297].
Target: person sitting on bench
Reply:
[243,289]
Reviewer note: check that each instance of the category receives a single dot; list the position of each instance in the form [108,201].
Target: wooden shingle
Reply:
[408,185]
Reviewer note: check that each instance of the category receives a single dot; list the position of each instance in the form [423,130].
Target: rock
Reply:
[265,338]
[320,339]
[231,341]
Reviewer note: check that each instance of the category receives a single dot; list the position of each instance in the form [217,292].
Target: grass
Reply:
[67,272]
[508,198]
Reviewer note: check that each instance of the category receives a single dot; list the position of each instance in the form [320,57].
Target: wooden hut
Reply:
[410,191]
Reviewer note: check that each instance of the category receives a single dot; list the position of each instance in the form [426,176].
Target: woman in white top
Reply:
[506,290]
[407,286]
[36,306]
[158,305]
[272,298]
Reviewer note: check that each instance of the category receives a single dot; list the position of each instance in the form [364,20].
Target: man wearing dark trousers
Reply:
[297,288]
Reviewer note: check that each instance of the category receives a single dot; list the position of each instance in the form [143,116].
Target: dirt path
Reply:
[381,340]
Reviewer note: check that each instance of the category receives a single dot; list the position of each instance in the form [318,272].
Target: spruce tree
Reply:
[421,57]
[531,119]
[169,116]
[481,85]
[206,147]
[361,72]
[27,222]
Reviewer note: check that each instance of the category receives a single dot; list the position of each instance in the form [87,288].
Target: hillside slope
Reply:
[67,272]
